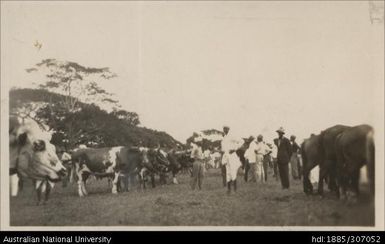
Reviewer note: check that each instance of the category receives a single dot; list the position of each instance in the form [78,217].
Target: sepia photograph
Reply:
[192,115]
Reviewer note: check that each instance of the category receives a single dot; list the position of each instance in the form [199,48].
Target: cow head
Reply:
[31,152]
[173,159]
[155,159]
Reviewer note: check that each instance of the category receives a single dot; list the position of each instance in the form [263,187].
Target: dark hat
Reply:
[281,130]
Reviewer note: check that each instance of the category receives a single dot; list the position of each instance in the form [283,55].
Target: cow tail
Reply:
[370,156]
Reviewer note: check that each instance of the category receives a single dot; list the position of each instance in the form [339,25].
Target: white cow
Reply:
[33,156]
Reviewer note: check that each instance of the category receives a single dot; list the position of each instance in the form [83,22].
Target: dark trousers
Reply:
[275,169]
[284,175]
[197,173]
[223,171]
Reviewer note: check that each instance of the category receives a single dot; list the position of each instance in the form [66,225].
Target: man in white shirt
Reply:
[251,158]
[230,160]
[197,170]
[260,150]
[274,151]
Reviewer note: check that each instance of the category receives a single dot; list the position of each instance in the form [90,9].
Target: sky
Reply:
[188,66]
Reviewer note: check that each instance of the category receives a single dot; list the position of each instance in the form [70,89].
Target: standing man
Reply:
[226,130]
[197,170]
[261,150]
[251,159]
[230,159]
[283,157]
[274,152]
[294,160]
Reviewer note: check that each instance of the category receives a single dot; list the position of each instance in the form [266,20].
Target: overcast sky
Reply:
[187,66]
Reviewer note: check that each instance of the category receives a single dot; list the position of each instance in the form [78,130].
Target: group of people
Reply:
[255,156]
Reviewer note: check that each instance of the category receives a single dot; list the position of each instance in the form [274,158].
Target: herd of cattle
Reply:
[125,165]
[340,152]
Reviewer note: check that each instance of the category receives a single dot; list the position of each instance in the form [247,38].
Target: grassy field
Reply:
[178,205]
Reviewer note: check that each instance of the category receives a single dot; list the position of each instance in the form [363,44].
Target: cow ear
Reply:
[22,139]
[39,145]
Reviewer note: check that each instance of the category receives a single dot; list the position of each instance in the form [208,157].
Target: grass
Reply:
[178,205]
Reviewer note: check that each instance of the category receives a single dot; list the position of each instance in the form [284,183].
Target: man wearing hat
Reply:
[251,160]
[256,152]
[197,170]
[226,130]
[230,159]
[283,157]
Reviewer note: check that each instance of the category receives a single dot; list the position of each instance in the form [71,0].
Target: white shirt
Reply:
[255,148]
[262,148]
[196,153]
[206,153]
[230,142]
[274,151]
[250,153]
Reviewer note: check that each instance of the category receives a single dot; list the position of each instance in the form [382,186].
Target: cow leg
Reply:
[80,179]
[123,182]
[20,184]
[332,179]
[47,191]
[81,184]
[126,182]
[38,186]
[342,183]
[174,180]
[247,168]
[143,179]
[133,181]
[14,183]
[115,182]
[153,180]
[141,176]
[353,185]
[80,188]
[71,174]
[356,181]
[307,185]
[321,178]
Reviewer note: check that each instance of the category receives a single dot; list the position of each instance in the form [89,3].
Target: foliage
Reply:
[74,81]
[89,124]
[209,139]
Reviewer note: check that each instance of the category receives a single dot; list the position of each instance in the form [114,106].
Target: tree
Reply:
[76,84]
[130,118]
[74,81]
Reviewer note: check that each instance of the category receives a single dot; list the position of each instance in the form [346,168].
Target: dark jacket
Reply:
[284,150]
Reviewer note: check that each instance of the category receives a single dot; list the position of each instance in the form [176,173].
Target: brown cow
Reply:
[329,156]
[321,150]
[311,157]
[354,148]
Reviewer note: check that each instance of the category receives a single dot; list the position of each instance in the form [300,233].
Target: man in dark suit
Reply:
[283,157]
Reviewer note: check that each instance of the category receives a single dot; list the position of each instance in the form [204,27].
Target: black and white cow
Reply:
[115,162]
